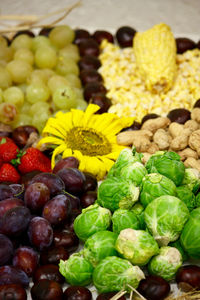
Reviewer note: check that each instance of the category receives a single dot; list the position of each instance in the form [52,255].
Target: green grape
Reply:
[22,41]
[37,76]
[3,63]
[56,82]
[1,95]
[24,54]
[73,80]
[6,53]
[81,104]
[23,87]
[45,57]
[25,109]
[62,35]
[14,95]
[21,120]
[40,41]
[71,52]
[48,73]
[65,98]
[79,93]
[37,92]
[39,120]
[19,70]
[39,107]
[5,78]
[8,113]
[3,41]
[66,66]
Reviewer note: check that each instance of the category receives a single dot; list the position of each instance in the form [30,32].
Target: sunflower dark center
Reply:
[88,141]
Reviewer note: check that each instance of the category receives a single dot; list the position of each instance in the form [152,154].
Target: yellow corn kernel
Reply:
[155,54]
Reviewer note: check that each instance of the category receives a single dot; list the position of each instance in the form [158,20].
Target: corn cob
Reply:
[155,54]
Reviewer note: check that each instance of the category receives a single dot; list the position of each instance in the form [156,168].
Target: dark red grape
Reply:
[26,259]
[88,76]
[49,272]
[100,35]
[135,126]
[53,255]
[27,32]
[5,191]
[197,103]
[77,293]
[89,62]
[90,182]
[46,290]
[12,292]
[18,190]
[93,88]
[15,221]
[13,275]
[26,178]
[125,36]
[21,134]
[36,196]
[7,204]
[184,44]
[57,210]
[89,47]
[68,162]
[52,181]
[148,117]
[189,275]
[73,179]
[68,240]
[45,31]
[109,295]
[6,249]
[40,233]
[81,35]
[154,288]
[179,115]
[102,101]
[88,198]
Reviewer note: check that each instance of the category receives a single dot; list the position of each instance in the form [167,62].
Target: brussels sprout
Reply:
[165,217]
[114,193]
[192,179]
[76,270]
[155,185]
[123,218]
[100,245]
[198,200]
[168,164]
[134,172]
[190,236]
[138,246]
[94,218]
[187,196]
[113,274]
[166,263]
[138,209]
[177,245]
[126,157]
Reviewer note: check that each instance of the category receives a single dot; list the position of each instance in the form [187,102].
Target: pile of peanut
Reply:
[161,134]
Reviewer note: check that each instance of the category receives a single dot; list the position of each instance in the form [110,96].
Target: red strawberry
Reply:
[5,139]
[9,173]
[8,151]
[32,160]
[1,162]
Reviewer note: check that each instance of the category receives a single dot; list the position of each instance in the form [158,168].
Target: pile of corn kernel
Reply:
[128,93]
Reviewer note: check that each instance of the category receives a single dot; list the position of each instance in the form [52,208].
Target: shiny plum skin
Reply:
[46,290]
[49,272]
[6,249]
[88,198]
[68,240]
[73,179]
[90,182]
[12,292]
[53,255]
[13,275]
[9,203]
[154,288]
[5,191]
[190,275]
[18,190]
[36,196]
[52,181]
[77,293]
[68,162]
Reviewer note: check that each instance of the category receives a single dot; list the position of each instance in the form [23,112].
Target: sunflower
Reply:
[89,137]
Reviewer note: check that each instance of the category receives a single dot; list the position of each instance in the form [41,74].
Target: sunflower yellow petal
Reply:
[107,162]
[67,152]
[57,151]
[50,140]
[90,110]
[77,117]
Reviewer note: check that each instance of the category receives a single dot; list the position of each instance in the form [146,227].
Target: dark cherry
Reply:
[21,134]
[135,126]
[102,101]
[77,293]
[89,62]
[68,240]
[81,35]
[6,249]
[184,44]
[179,115]
[125,36]
[88,76]
[45,31]
[109,295]
[53,255]
[148,117]
[46,290]
[13,275]
[49,272]
[27,32]
[68,162]
[12,292]
[189,275]
[154,288]
[26,178]
[197,103]
[5,191]
[73,179]
[100,35]
[9,203]
[93,88]
[90,182]
[89,47]
[88,198]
